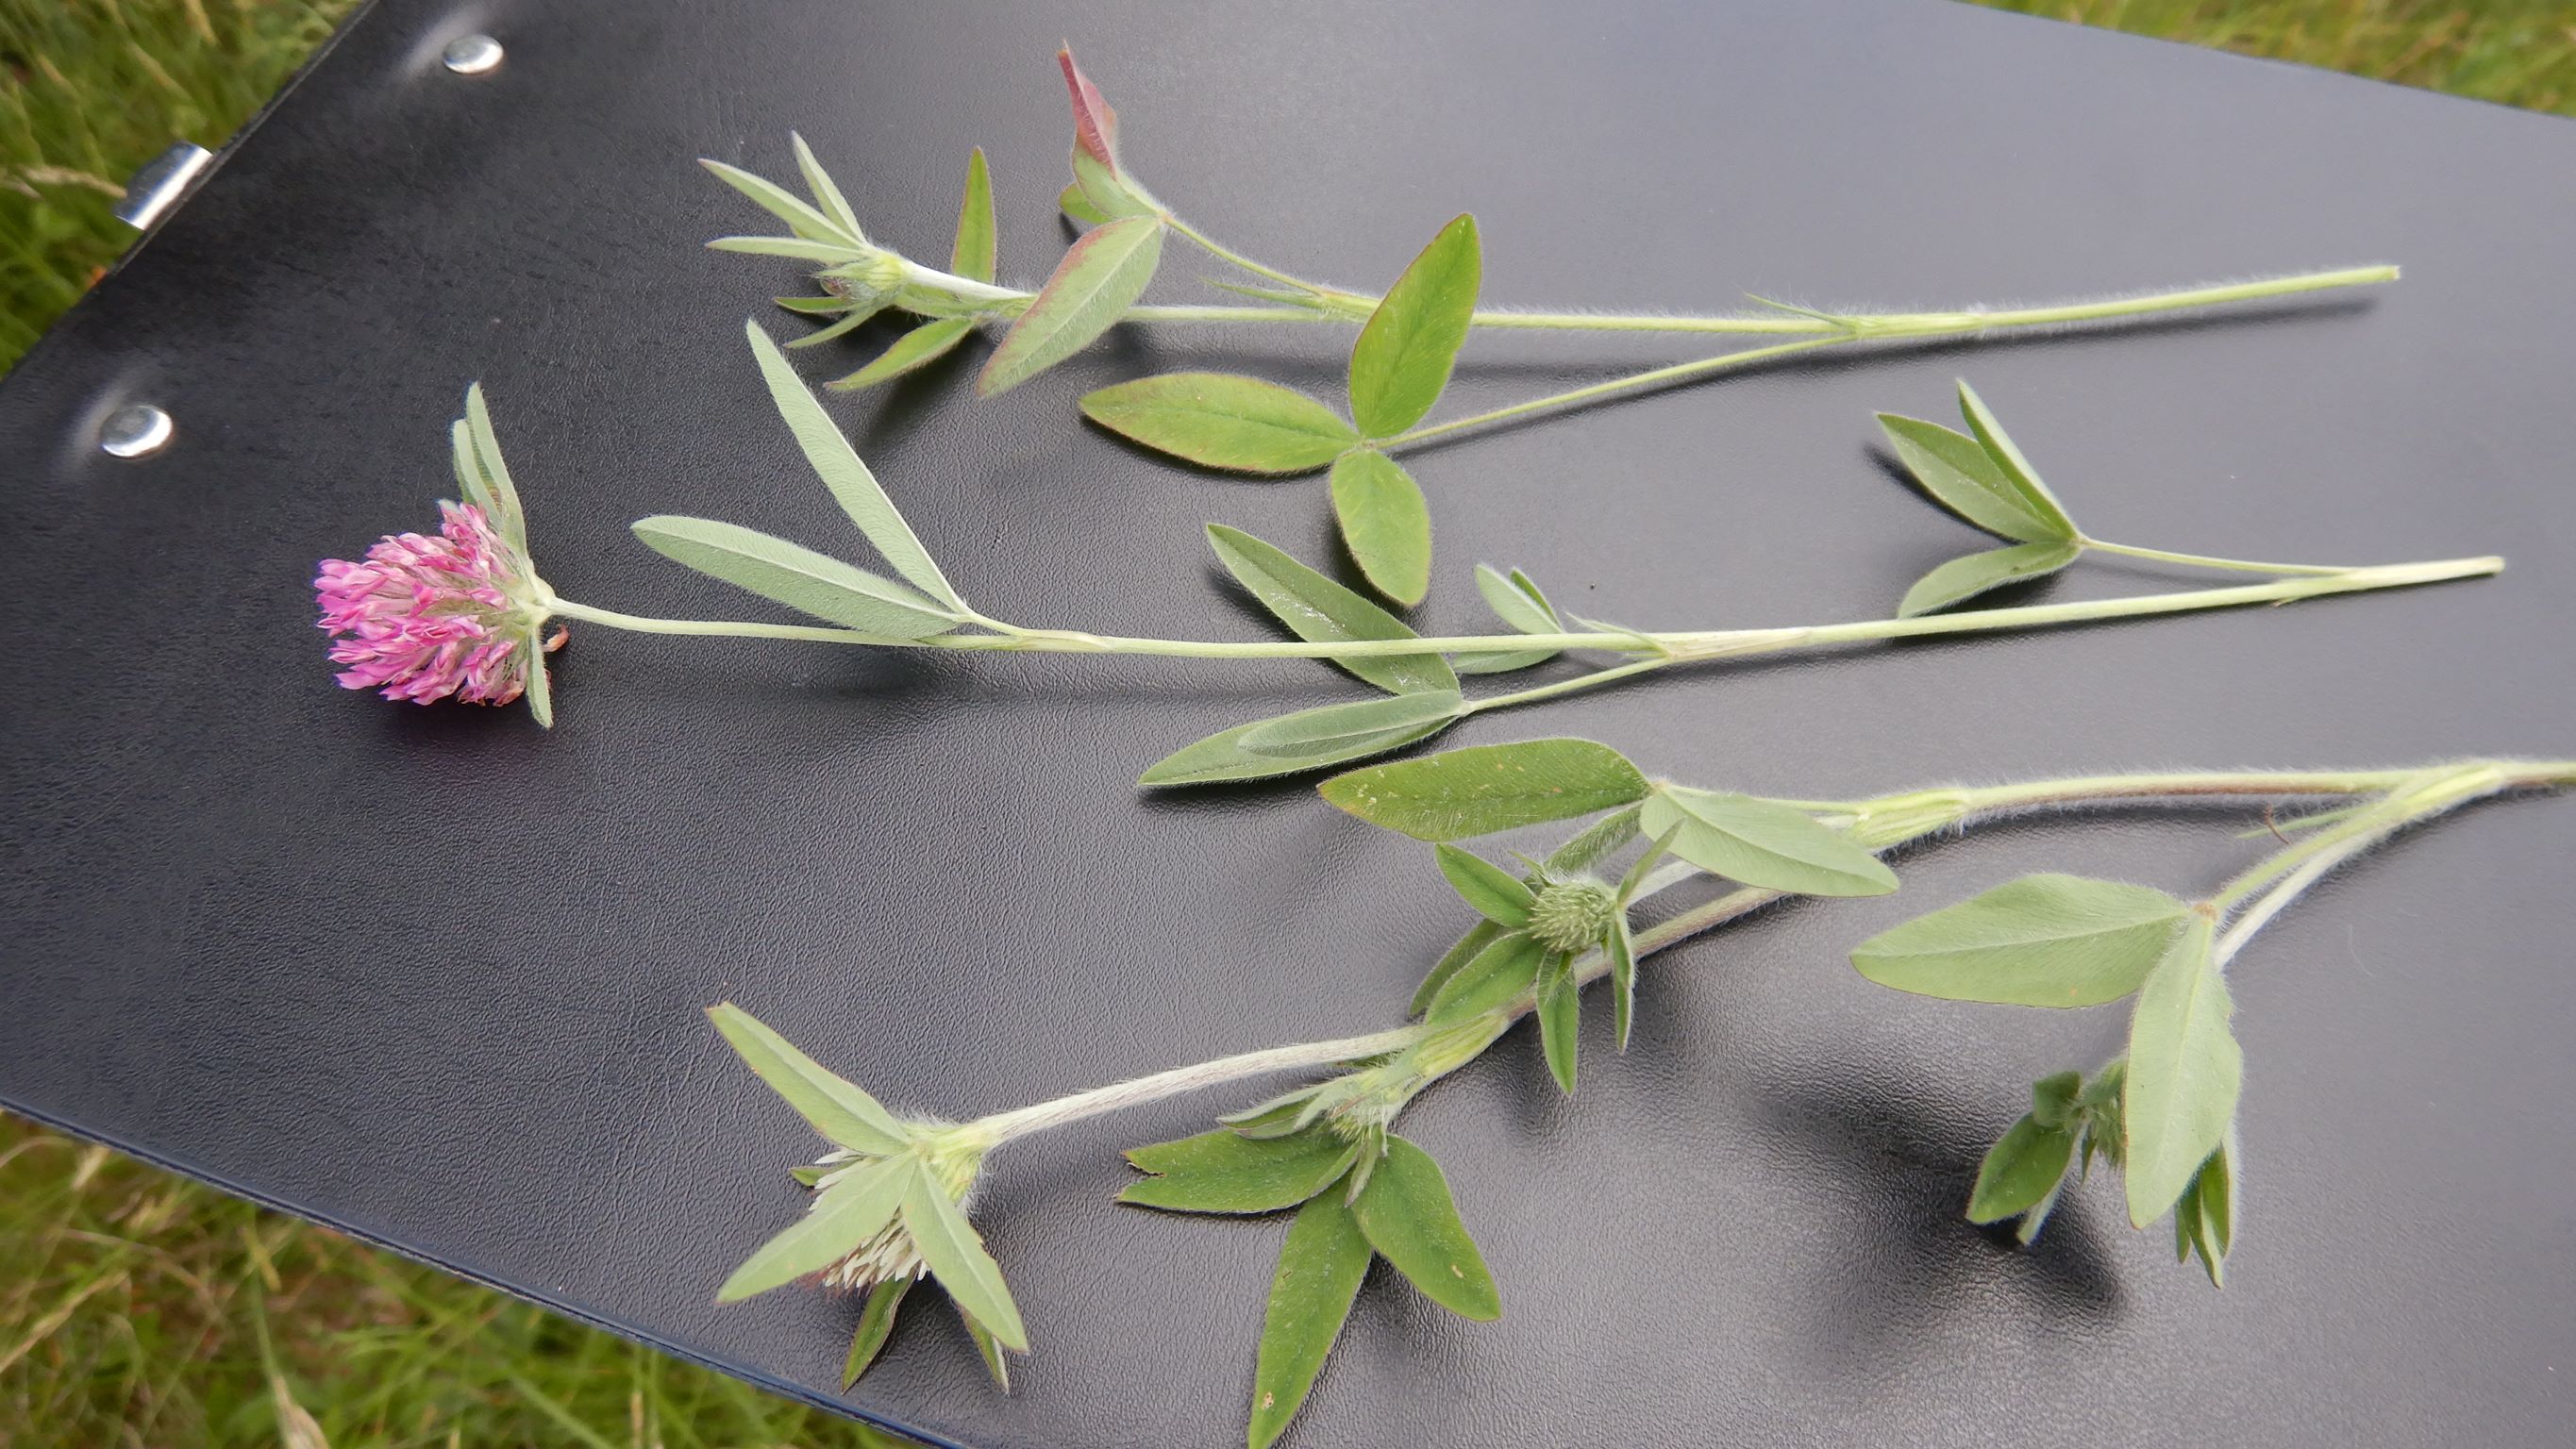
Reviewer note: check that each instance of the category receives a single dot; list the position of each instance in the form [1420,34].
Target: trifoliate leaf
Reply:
[955,1254]
[1495,893]
[837,1108]
[2184,1072]
[848,1213]
[1220,420]
[1385,523]
[795,576]
[1320,1268]
[1763,843]
[1487,788]
[838,465]
[1402,360]
[1964,578]
[1319,610]
[1101,276]
[1226,1172]
[1409,1217]
[2043,940]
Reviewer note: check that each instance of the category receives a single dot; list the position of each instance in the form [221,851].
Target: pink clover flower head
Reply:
[423,617]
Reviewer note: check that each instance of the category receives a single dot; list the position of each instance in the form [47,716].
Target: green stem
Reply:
[2414,795]
[2204,561]
[1664,648]
[1636,382]
[1354,307]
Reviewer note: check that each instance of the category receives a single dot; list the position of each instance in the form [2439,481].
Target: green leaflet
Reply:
[978,249]
[779,202]
[1320,1268]
[479,453]
[1960,475]
[2021,1171]
[850,322]
[1385,522]
[1468,948]
[1516,600]
[2043,940]
[1495,893]
[1560,1020]
[838,1109]
[541,688]
[956,1256]
[827,192]
[838,465]
[847,1214]
[1965,578]
[876,1322]
[828,252]
[914,350]
[826,306]
[1332,727]
[1224,756]
[1408,1216]
[1623,977]
[1103,274]
[1486,788]
[1499,973]
[1074,204]
[1594,843]
[1763,843]
[985,1344]
[2205,1216]
[2016,468]
[1226,1172]
[1109,195]
[1316,609]
[2185,1069]
[795,575]
[1222,420]
[1405,351]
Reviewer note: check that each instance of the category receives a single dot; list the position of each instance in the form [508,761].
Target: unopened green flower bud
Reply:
[1572,915]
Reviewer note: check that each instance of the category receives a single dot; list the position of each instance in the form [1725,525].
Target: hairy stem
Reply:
[1662,648]
[2408,796]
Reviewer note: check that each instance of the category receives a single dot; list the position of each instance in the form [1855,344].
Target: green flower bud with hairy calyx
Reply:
[954,1154]
[1572,915]
[871,281]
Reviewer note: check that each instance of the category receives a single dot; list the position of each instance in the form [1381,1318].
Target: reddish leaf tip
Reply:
[1095,125]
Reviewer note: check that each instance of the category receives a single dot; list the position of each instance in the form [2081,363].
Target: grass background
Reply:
[137,1308]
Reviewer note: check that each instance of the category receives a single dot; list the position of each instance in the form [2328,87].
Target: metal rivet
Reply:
[136,430]
[472,55]
[159,185]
